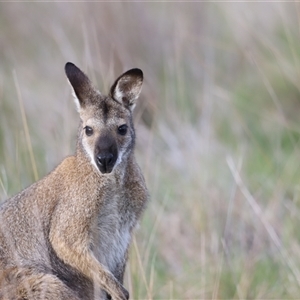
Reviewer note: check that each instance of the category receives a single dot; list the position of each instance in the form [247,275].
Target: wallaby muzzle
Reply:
[106,154]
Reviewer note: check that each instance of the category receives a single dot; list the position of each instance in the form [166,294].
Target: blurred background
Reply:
[218,131]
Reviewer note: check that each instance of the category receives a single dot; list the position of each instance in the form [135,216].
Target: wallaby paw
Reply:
[126,293]
[123,294]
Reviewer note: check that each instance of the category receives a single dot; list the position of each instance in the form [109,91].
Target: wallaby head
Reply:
[106,133]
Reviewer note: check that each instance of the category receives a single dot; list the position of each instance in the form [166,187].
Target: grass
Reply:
[217,125]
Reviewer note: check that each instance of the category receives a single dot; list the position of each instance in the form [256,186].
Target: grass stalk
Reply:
[269,228]
[26,129]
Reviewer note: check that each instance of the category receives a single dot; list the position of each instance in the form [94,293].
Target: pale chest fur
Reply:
[111,234]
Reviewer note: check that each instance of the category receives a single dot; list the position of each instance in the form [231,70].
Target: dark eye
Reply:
[88,130]
[122,129]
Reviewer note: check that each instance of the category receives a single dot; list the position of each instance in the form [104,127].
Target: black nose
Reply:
[105,160]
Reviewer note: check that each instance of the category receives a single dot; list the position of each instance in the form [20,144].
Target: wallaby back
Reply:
[67,235]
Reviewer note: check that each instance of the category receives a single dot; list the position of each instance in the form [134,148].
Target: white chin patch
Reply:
[90,154]
[120,157]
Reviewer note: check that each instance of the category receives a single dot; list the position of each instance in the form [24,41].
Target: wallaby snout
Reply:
[106,154]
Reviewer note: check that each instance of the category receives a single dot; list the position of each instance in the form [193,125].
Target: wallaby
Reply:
[67,235]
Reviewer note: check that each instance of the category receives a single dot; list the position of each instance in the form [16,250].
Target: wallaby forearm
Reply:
[85,262]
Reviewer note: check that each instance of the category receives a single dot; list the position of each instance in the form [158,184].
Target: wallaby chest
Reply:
[111,233]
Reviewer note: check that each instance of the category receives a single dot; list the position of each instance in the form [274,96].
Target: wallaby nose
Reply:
[105,160]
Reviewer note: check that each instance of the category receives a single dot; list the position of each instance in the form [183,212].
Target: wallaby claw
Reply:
[123,293]
[126,293]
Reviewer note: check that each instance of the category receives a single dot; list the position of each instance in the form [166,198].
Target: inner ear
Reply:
[127,88]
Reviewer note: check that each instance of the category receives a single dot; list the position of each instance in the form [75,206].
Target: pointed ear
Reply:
[82,86]
[127,88]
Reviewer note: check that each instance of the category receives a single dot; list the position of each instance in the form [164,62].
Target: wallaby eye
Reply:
[122,129]
[88,130]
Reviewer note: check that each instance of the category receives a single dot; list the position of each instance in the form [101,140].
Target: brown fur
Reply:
[67,235]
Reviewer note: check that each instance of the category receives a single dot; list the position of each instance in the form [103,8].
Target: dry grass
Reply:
[218,131]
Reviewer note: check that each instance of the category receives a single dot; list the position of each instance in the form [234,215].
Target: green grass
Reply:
[218,132]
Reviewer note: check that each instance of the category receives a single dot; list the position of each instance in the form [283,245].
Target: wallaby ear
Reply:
[127,88]
[82,86]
